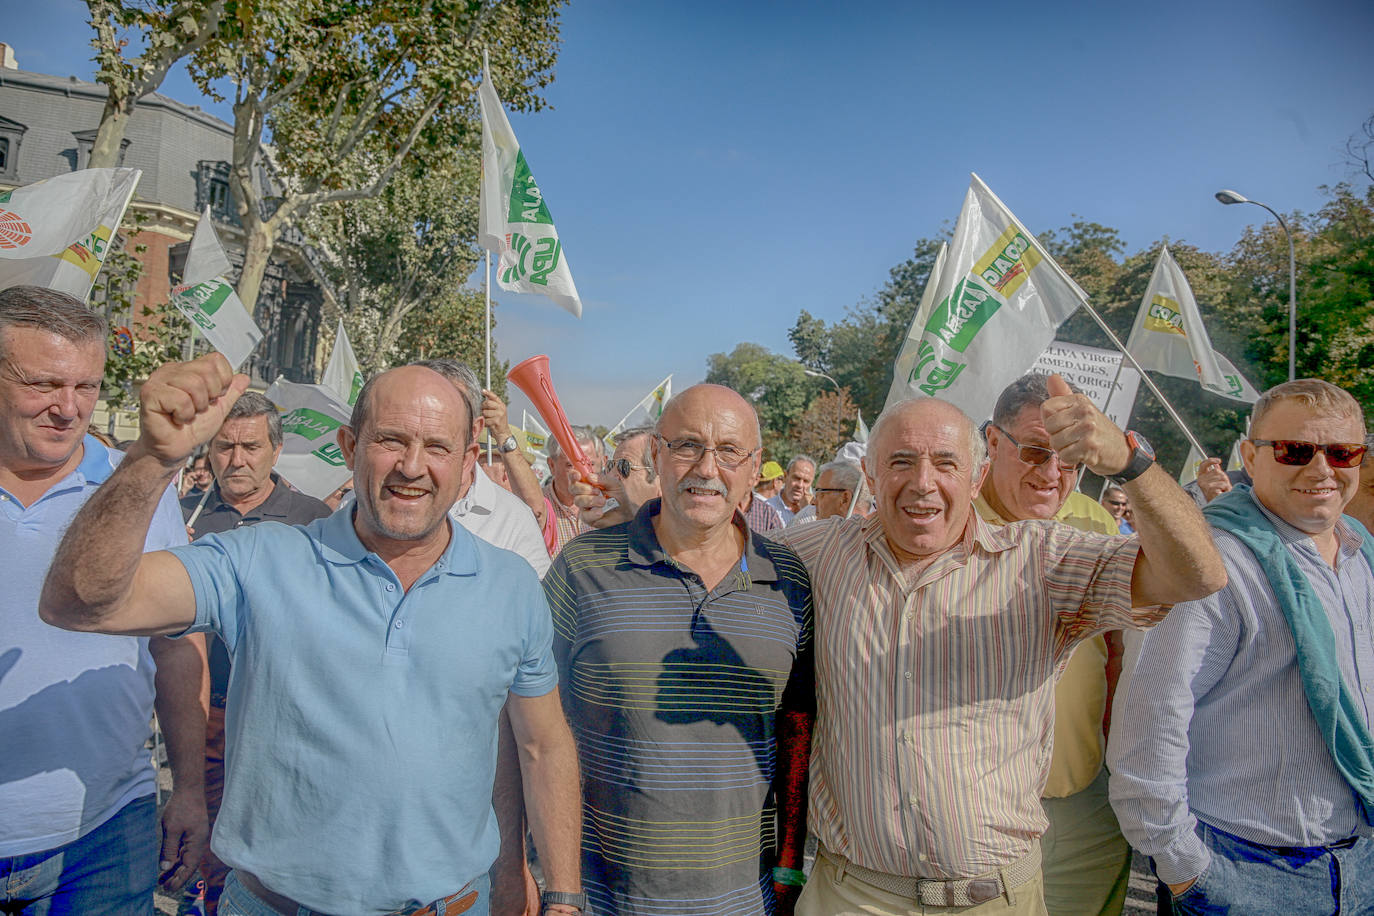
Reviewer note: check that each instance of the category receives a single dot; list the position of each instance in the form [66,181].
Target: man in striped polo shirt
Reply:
[683,640]
[938,640]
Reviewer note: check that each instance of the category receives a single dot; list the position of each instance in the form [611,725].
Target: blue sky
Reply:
[713,168]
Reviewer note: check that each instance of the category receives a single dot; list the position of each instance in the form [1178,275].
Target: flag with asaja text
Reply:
[514,218]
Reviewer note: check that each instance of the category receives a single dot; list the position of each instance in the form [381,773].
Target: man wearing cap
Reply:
[1243,763]
[770,480]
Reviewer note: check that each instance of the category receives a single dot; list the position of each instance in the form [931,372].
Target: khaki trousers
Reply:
[829,894]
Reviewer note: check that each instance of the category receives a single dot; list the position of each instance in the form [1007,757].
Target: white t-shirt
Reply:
[502,519]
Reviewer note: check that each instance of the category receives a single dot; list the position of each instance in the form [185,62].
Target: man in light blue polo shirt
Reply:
[372,653]
[78,823]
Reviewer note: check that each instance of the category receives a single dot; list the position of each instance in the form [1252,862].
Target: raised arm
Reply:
[523,482]
[1178,561]
[100,579]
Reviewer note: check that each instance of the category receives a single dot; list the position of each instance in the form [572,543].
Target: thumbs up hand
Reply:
[1081,433]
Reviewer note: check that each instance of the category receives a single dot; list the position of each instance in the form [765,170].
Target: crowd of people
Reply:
[975,687]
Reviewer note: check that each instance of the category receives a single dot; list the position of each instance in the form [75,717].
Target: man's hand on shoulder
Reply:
[182,406]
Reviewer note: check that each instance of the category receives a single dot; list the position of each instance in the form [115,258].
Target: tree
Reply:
[397,262]
[167,32]
[826,424]
[344,91]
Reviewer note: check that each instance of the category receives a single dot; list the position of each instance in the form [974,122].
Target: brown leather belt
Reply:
[452,905]
[959,892]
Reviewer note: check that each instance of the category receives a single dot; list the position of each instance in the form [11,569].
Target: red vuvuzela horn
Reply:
[532,377]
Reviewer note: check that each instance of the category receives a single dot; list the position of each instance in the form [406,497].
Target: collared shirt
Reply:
[673,692]
[1080,694]
[1215,722]
[362,717]
[783,511]
[761,515]
[502,519]
[74,707]
[561,523]
[936,693]
[281,505]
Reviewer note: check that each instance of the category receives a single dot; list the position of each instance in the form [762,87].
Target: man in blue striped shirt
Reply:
[1223,773]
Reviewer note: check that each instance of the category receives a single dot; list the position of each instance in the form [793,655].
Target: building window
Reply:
[11,133]
[212,190]
[85,140]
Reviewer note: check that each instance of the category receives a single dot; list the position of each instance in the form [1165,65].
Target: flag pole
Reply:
[486,287]
[1169,408]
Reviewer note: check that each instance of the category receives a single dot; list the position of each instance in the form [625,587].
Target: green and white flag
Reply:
[1168,336]
[906,359]
[342,374]
[536,436]
[209,302]
[56,233]
[514,219]
[311,415]
[997,303]
[1235,462]
[645,413]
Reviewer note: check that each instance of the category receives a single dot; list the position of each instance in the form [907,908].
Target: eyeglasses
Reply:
[1037,454]
[1298,453]
[831,489]
[623,467]
[691,451]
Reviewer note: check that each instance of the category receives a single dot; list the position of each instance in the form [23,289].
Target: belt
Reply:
[955,892]
[452,905]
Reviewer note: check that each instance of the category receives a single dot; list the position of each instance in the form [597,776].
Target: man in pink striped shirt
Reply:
[938,639]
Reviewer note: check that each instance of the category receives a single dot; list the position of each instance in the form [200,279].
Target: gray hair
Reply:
[255,404]
[798,459]
[53,311]
[1030,390]
[452,370]
[1321,397]
[977,445]
[589,440]
[848,475]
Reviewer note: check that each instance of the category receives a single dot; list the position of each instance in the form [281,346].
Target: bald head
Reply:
[420,381]
[711,397]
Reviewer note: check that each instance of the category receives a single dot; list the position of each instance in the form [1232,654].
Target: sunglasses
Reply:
[1119,505]
[1037,454]
[831,489]
[1298,453]
[623,467]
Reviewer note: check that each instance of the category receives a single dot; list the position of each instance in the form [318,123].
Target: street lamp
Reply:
[816,373]
[1231,197]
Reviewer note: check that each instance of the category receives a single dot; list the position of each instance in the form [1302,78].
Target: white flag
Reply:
[1236,463]
[906,359]
[310,456]
[997,303]
[514,220]
[209,302]
[645,413]
[343,374]
[861,431]
[1168,335]
[56,233]
[536,436]
[1190,466]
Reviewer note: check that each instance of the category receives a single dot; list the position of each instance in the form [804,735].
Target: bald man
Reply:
[685,642]
[358,642]
[939,639]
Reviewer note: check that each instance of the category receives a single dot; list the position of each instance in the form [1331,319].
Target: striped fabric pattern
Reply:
[566,523]
[936,693]
[672,694]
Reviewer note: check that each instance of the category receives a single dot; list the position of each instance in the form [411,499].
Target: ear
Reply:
[347,443]
[1248,453]
[868,475]
[980,475]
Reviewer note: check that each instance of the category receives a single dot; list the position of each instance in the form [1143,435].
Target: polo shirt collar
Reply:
[97,463]
[339,545]
[645,550]
[271,507]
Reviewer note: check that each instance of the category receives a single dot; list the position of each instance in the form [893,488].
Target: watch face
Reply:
[1136,440]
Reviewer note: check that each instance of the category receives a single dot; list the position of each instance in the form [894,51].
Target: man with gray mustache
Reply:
[684,644]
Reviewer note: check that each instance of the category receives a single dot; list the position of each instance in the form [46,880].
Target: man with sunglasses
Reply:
[628,477]
[684,641]
[1086,862]
[1243,762]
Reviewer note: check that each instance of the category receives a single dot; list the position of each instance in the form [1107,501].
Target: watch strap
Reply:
[563,898]
[508,445]
[1140,463]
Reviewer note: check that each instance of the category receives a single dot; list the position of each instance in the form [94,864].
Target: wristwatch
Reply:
[509,445]
[1142,456]
[563,898]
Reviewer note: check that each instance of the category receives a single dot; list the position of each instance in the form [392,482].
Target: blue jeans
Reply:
[1254,880]
[110,871]
[237,900]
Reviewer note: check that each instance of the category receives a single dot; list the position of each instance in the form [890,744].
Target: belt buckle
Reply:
[981,890]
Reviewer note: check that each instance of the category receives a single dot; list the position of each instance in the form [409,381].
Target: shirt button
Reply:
[907,675]
[399,624]
[922,857]
[390,587]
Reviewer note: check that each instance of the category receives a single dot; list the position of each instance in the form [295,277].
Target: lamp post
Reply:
[1231,197]
[816,373]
